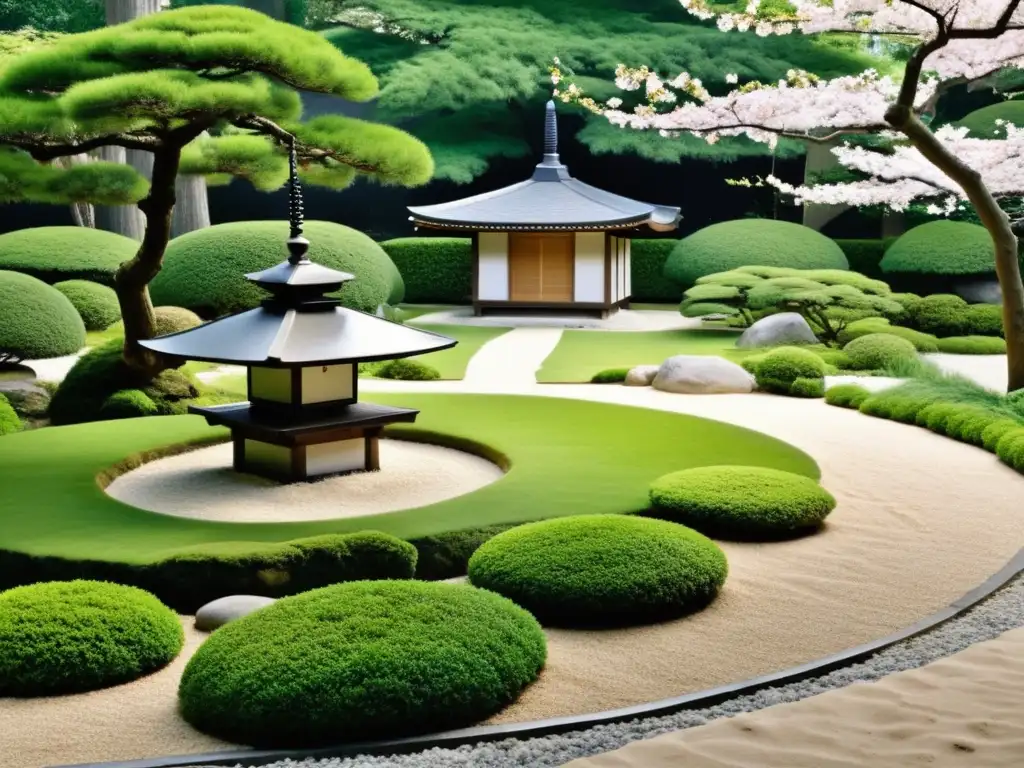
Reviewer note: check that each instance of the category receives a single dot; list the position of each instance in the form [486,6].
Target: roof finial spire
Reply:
[550,135]
[297,244]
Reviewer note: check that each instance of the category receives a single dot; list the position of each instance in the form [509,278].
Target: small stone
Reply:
[641,376]
[775,330]
[224,610]
[702,375]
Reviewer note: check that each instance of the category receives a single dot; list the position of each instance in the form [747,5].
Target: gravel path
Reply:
[1002,612]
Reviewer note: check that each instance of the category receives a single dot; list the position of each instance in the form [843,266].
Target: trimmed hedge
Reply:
[751,242]
[648,282]
[54,254]
[446,555]
[610,376]
[102,372]
[973,345]
[362,661]
[193,577]
[9,421]
[941,314]
[941,248]
[984,320]
[746,503]
[1010,449]
[204,271]
[865,256]
[128,404]
[97,304]
[923,342]
[69,637]
[778,369]
[407,370]
[436,270]
[36,320]
[846,395]
[601,570]
[878,351]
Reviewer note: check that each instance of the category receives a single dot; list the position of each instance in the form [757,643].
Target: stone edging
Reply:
[536,728]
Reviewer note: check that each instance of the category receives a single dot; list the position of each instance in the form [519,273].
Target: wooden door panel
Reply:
[557,265]
[541,267]
[524,266]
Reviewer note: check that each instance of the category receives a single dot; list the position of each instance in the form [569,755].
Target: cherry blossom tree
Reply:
[949,42]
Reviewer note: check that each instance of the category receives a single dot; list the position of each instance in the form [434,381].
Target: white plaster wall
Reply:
[493,266]
[589,267]
[623,271]
[325,383]
[275,458]
[629,268]
[339,456]
[274,384]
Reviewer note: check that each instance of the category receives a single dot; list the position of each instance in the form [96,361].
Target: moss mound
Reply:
[96,304]
[810,388]
[942,248]
[751,242]
[923,342]
[984,320]
[360,661]
[973,345]
[36,320]
[601,569]
[9,420]
[408,370]
[777,370]
[53,254]
[610,376]
[941,314]
[847,395]
[204,271]
[878,351]
[741,502]
[102,372]
[71,636]
[174,320]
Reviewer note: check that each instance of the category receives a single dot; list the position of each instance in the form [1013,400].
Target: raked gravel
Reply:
[1001,612]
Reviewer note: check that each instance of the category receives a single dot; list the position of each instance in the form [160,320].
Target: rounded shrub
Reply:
[601,569]
[846,395]
[941,314]
[102,372]
[407,370]
[807,388]
[610,376]
[935,415]
[777,371]
[877,351]
[968,423]
[741,502]
[204,271]
[9,421]
[973,345]
[984,320]
[128,404]
[71,636]
[36,320]
[941,248]
[1010,449]
[994,432]
[54,254]
[174,320]
[362,660]
[96,304]
[923,342]
[751,242]
[894,405]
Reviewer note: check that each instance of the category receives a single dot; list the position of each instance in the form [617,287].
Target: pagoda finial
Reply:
[550,135]
[298,245]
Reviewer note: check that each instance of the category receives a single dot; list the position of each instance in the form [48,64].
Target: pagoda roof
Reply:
[298,337]
[550,200]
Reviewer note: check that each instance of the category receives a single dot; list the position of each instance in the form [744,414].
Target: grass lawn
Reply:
[412,311]
[567,457]
[581,354]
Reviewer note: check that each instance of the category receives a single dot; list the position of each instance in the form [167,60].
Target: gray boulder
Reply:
[979,291]
[641,376]
[216,614]
[698,375]
[783,328]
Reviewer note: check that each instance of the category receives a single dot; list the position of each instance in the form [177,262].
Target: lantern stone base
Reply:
[293,447]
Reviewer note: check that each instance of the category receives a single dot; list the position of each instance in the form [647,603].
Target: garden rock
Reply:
[641,376]
[979,291]
[700,375]
[224,610]
[775,330]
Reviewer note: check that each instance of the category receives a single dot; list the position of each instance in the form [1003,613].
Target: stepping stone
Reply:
[224,610]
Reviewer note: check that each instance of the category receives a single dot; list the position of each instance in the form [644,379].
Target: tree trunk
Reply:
[122,219]
[275,9]
[994,220]
[133,277]
[120,11]
[82,213]
[192,211]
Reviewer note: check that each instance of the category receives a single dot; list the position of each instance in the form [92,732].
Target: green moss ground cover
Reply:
[581,354]
[567,457]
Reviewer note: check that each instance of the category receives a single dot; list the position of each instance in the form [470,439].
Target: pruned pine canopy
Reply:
[221,82]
